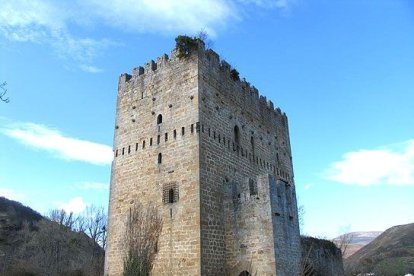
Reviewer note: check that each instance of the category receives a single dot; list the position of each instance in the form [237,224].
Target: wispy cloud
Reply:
[94,186]
[44,138]
[164,16]
[48,23]
[57,23]
[90,69]
[307,186]
[281,4]
[11,194]
[75,205]
[392,165]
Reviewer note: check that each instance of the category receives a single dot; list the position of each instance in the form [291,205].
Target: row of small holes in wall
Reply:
[244,153]
[128,149]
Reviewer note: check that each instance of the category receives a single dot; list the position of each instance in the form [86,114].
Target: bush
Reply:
[186,45]
[234,75]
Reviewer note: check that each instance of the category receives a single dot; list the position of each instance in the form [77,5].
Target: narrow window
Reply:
[252,144]
[143,144]
[219,138]
[129,149]
[214,135]
[171,195]
[192,128]
[159,158]
[175,134]
[123,151]
[116,153]
[166,137]
[252,187]
[136,147]
[236,135]
[150,141]
[182,131]
[158,139]
[159,119]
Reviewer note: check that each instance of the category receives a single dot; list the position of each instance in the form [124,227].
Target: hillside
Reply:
[357,240]
[391,253]
[33,245]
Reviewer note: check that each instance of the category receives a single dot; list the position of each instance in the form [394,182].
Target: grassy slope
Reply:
[391,253]
[33,245]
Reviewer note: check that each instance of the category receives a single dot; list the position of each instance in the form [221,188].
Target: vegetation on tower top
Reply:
[186,44]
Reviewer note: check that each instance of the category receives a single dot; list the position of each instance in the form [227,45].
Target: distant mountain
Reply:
[391,253]
[30,244]
[357,240]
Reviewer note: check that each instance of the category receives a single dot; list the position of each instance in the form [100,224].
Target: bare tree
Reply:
[3,97]
[306,265]
[94,224]
[203,36]
[143,229]
[63,218]
[301,217]
[343,241]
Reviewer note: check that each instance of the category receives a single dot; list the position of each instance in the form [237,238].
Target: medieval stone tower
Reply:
[215,157]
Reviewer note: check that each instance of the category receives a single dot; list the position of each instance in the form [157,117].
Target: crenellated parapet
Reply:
[246,90]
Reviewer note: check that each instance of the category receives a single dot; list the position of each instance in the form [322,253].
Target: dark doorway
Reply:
[244,273]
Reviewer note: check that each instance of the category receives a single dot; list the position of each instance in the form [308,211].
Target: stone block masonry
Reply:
[215,157]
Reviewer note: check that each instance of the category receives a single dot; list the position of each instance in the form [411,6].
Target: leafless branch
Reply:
[143,229]
[3,97]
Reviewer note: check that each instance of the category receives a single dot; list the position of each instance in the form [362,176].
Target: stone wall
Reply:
[226,152]
[243,137]
[322,257]
[167,88]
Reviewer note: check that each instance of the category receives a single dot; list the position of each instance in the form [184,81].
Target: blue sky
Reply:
[343,71]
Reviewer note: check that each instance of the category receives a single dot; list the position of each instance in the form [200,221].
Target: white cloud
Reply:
[42,137]
[307,186]
[54,22]
[163,15]
[94,186]
[47,23]
[11,194]
[281,4]
[90,69]
[392,165]
[76,205]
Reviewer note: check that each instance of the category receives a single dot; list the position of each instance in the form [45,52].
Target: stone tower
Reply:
[215,157]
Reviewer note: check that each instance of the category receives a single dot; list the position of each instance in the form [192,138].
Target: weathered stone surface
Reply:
[321,257]
[226,152]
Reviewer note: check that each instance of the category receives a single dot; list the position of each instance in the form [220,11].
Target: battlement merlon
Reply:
[214,61]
